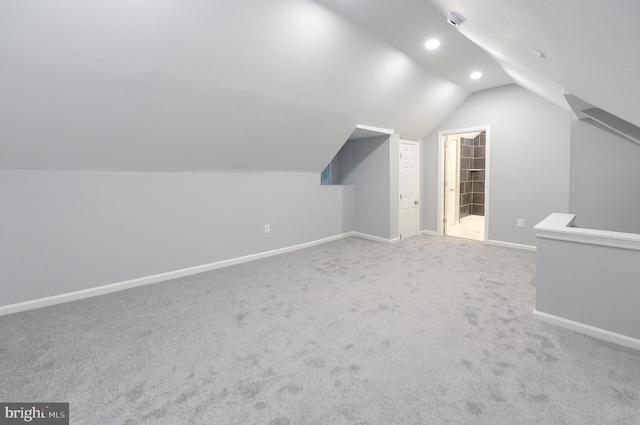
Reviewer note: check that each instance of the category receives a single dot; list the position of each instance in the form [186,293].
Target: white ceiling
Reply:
[590,49]
[200,85]
[408,24]
[280,85]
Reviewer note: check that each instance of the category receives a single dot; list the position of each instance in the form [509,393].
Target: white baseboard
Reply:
[511,245]
[490,242]
[120,286]
[589,330]
[374,238]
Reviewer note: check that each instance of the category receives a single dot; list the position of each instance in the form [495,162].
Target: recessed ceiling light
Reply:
[432,44]
[475,75]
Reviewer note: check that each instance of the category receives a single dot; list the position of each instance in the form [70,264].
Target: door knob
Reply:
[416,202]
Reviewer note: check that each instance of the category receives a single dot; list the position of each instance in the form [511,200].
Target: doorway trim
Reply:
[487,184]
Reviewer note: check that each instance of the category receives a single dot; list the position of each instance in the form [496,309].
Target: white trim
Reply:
[376,129]
[589,330]
[487,172]
[487,181]
[489,242]
[374,238]
[560,227]
[511,245]
[440,200]
[120,286]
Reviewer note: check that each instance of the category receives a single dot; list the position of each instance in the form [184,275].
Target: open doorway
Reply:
[463,199]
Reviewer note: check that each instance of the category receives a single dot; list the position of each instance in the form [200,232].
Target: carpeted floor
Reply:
[428,331]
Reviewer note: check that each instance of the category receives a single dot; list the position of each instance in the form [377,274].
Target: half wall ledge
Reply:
[588,280]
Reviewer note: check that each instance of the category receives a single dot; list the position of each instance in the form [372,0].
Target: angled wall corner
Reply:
[364,164]
[604,176]
[602,119]
[367,161]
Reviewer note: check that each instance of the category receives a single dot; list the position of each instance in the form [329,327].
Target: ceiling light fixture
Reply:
[432,44]
[475,75]
[455,19]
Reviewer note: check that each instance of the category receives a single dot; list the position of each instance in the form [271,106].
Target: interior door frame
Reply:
[456,207]
[417,183]
[487,179]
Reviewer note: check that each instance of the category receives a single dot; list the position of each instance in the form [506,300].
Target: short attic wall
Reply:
[68,231]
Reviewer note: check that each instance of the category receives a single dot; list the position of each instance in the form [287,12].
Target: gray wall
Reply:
[590,284]
[528,160]
[365,165]
[65,231]
[605,179]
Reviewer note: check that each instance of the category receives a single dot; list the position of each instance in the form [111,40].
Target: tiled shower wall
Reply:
[472,174]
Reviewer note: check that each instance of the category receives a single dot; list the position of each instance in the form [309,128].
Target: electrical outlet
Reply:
[267,228]
[520,222]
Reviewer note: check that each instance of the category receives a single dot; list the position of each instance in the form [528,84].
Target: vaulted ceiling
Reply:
[590,49]
[215,85]
[200,85]
[408,24]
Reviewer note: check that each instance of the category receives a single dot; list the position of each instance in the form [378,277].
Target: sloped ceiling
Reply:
[590,49]
[408,24]
[201,85]
[253,85]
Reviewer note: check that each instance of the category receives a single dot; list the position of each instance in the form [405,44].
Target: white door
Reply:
[450,181]
[409,189]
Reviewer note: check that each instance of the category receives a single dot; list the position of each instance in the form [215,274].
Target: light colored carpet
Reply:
[427,331]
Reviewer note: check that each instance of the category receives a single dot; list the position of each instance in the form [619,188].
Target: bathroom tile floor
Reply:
[469,227]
